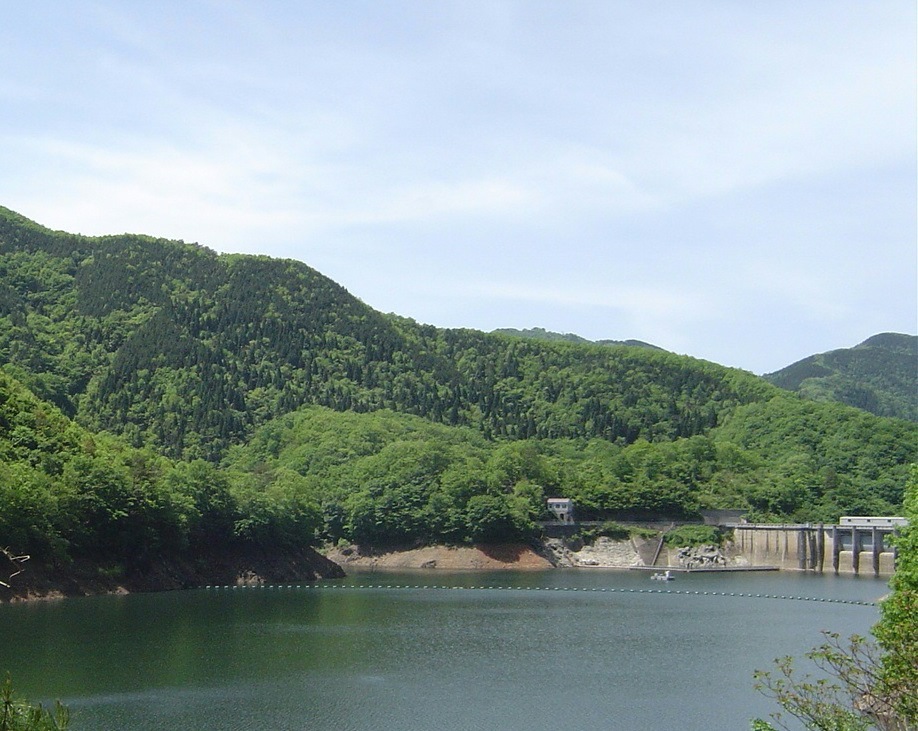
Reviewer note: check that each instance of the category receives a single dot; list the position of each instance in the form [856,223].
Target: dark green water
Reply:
[529,651]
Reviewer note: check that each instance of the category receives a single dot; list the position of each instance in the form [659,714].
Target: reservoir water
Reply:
[534,651]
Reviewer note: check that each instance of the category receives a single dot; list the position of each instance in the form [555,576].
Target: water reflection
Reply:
[548,646]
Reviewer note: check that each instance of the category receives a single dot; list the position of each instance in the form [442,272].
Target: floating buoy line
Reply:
[589,590]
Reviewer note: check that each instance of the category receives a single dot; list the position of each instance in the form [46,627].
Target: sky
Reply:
[734,181]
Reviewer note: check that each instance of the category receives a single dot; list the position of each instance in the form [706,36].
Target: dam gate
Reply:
[847,548]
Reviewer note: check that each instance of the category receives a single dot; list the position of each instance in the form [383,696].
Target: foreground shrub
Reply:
[17,714]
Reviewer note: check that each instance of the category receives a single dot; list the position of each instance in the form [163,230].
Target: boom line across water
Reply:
[609,589]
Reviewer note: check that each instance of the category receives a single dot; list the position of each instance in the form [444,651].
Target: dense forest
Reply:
[66,493]
[540,333]
[155,396]
[879,375]
[177,348]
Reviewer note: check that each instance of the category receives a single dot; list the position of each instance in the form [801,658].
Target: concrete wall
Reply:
[841,549]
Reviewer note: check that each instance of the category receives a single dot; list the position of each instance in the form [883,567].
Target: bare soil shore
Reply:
[514,556]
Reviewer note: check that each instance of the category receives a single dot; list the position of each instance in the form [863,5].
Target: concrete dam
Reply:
[854,546]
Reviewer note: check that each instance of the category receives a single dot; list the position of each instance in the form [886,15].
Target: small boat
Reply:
[664,576]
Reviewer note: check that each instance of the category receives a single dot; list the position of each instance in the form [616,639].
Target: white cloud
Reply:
[159,190]
[624,157]
[639,303]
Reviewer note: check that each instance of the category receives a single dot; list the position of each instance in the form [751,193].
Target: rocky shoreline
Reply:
[602,553]
[551,553]
[252,566]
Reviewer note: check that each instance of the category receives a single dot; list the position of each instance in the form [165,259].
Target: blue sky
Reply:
[730,180]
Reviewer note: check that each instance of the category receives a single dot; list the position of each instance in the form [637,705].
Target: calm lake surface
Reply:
[562,649]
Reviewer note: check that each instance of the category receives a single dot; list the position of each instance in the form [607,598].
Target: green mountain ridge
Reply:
[154,391]
[172,345]
[538,333]
[880,375]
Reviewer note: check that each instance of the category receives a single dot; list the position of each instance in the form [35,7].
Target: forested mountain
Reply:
[539,333]
[173,346]
[879,375]
[156,391]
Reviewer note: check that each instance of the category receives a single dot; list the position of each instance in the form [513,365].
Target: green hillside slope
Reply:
[539,333]
[179,348]
[879,375]
[394,478]
[67,495]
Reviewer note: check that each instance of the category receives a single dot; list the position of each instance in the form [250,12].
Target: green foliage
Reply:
[385,478]
[539,333]
[846,695]
[186,351]
[276,510]
[897,631]
[65,494]
[17,714]
[609,529]
[495,518]
[862,686]
[824,460]
[639,532]
[879,376]
[391,478]
[694,535]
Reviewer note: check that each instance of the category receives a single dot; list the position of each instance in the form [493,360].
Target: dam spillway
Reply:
[855,548]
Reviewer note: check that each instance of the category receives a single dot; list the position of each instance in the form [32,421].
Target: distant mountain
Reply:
[879,375]
[539,333]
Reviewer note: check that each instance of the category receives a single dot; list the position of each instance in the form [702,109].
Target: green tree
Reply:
[897,630]
[17,714]
[862,685]
[281,512]
[207,505]
[848,695]
[497,518]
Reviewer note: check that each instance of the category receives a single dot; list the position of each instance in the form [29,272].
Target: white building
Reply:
[563,508]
